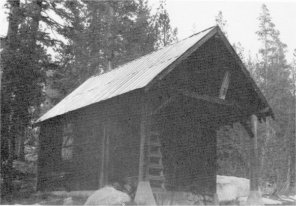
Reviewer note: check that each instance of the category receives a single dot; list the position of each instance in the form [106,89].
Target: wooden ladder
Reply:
[155,166]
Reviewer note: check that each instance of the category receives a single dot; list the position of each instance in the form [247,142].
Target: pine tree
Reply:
[6,135]
[91,42]
[165,33]
[221,22]
[24,63]
[274,80]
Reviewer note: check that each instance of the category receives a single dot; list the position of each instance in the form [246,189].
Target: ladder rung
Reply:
[158,178]
[158,190]
[155,155]
[154,133]
[155,144]
[155,166]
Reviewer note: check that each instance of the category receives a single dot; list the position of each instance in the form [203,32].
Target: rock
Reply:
[231,188]
[107,196]
[68,201]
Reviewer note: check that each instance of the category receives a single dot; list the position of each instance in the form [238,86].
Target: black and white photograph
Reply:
[148,102]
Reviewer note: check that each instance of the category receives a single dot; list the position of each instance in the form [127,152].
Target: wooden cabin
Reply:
[153,119]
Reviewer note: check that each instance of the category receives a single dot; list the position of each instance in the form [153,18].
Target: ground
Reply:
[231,190]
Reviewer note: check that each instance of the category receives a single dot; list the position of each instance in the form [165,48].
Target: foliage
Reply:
[165,33]
[94,37]
[221,22]
[233,151]
[24,62]
[273,75]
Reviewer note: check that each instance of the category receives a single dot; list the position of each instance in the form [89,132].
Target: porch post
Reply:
[143,134]
[41,159]
[144,194]
[254,197]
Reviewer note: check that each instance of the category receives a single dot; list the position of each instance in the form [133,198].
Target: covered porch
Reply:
[178,154]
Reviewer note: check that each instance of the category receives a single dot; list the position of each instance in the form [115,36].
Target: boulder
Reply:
[231,188]
[107,196]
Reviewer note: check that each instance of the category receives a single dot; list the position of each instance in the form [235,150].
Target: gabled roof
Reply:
[134,75]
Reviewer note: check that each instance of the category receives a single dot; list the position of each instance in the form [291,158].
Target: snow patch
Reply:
[287,199]
[293,197]
[266,201]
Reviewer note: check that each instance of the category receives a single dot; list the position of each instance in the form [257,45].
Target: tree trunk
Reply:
[32,51]
[9,49]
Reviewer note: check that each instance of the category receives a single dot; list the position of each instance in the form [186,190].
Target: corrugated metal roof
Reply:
[128,77]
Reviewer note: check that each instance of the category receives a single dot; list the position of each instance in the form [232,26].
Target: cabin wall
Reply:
[82,167]
[203,71]
[48,166]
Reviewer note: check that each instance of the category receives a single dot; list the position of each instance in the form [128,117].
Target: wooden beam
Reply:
[207,98]
[254,197]
[224,85]
[247,127]
[254,156]
[163,105]
[143,138]
[102,168]
[107,152]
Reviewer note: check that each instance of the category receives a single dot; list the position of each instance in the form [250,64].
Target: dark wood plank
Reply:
[163,105]
[102,168]
[224,85]
[213,100]
[254,178]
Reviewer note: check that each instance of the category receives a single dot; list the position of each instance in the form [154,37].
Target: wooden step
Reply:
[158,154]
[155,166]
[158,190]
[154,133]
[154,150]
[158,178]
[154,144]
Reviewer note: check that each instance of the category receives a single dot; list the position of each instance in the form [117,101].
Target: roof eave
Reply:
[268,110]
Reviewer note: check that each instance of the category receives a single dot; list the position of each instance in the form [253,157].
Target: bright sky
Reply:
[241,16]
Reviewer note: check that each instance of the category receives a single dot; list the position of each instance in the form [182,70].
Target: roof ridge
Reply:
[201,31]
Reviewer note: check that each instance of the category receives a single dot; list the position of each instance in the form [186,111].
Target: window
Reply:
[67,145]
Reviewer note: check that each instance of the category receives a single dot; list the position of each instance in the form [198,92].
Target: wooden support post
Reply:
[224,86]
[254,184]
[107,154]
[254,197]
[143,134]
[144,195]
[102,167]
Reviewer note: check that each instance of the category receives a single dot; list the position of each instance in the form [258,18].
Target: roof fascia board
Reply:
[185,55]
